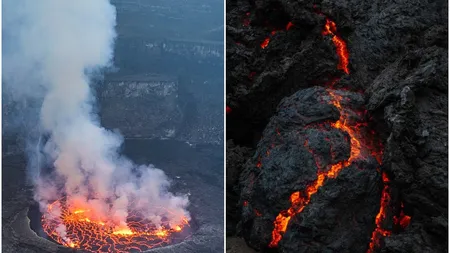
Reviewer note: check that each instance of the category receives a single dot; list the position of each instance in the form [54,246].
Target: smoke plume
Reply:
[51,48]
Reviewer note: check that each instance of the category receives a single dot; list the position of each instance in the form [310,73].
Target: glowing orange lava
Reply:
[403,219]
[85,230]
[265,43]
[379,232]
[341,47]
[300,200]
[297,199]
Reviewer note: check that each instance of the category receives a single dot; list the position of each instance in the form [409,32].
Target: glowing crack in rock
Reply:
[299,200]
[381,216]
[341,46]
[265,43]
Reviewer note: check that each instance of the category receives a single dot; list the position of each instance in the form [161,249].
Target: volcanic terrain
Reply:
[337,125]
[195,171]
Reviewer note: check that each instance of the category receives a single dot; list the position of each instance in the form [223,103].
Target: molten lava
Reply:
[341,47]
[298,199]
[402,220]
[82,228]
[265,43]
[379,232]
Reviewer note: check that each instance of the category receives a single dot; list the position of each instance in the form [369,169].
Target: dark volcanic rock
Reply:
[416,146]
[298,143]
[398,56]
[338,217]
[236,157]
[141,106]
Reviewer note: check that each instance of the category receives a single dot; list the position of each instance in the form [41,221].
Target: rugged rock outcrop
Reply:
[141,107]
[398,59]
[299,146]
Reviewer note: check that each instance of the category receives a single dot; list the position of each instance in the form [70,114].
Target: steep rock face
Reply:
[398,57]
[141,108]
[416,148]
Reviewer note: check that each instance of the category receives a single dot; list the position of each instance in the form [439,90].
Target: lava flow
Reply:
[381,216]
[401,220]
[341,47]
[82,228]
[299,200]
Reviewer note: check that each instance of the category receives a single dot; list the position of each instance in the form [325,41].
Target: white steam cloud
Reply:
[53,45]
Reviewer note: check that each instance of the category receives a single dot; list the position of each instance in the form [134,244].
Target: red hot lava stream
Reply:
[379,232]
[86,230]
[341,47]
[299,200]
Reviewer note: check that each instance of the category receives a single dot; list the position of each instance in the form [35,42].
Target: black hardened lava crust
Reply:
[398,61]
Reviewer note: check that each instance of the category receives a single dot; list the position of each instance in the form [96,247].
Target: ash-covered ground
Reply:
[282,64]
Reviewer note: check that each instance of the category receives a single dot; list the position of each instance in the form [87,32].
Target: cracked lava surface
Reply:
[299,200]
[84,230]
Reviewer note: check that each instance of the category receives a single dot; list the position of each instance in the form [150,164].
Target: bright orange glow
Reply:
[85,230]
[379,232]
[404,220]
[265,43]
[161,233]
[299,201]
[341,47]
[125,231]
